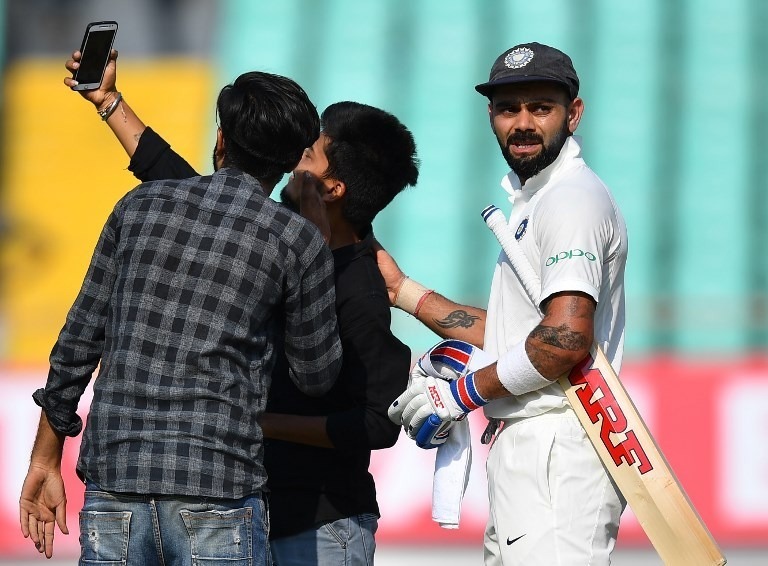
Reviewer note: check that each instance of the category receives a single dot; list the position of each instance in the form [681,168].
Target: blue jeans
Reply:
[346,542]
[146,530]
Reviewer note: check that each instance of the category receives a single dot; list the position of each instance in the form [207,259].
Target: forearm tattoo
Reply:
[560,337]
[457,319]
[544,360]
[137,137]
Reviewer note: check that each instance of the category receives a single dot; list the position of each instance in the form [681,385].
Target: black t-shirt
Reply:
[311,485]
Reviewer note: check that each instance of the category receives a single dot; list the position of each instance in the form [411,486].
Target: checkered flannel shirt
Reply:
[190,286]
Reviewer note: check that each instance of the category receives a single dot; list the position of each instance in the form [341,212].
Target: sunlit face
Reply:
[531,122]
[313,160]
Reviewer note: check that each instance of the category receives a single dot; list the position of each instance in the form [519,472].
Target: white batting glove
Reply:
[450,402]
[424,418]
[402,410]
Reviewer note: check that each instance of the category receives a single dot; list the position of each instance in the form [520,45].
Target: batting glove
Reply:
[416,409]
[450,402]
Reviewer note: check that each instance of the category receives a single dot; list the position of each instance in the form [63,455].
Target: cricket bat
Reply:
[622,440]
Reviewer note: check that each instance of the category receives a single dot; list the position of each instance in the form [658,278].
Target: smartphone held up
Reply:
[97,45]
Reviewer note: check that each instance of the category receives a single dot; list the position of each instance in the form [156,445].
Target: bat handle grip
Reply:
[433,432]
[496,221]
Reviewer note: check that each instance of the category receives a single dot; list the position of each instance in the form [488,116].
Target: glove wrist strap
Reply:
[466,395]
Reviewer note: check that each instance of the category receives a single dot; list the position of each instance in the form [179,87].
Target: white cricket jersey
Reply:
[574,236]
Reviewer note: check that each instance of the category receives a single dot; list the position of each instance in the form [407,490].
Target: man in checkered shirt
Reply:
[191,287]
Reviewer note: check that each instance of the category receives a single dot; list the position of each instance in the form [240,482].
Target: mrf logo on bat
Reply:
[600,404]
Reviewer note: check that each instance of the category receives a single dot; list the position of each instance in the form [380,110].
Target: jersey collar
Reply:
[511,182]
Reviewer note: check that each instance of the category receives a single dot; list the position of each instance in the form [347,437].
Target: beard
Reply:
[527,167]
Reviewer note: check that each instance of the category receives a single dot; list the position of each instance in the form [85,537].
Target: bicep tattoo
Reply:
[457,319]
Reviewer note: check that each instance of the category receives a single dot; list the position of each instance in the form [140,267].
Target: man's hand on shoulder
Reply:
[393,275]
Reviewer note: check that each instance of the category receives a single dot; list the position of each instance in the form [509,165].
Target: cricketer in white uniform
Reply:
[551,500]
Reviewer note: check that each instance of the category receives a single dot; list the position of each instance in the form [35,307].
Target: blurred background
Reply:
[675,115]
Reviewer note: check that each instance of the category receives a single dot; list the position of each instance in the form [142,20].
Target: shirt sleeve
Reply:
[381,364]
[312,344]
[155,160]
[573,229]
[80,345]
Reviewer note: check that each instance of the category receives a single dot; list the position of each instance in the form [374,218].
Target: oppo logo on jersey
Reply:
[570,254]
[607,411]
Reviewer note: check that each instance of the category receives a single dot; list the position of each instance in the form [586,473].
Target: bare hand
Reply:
[393,275]
[307,191]
[107,89]
[42,505]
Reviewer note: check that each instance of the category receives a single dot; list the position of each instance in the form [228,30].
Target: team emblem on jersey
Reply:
[518,58]
[520,232]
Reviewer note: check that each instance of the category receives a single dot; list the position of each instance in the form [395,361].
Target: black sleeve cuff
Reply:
[60,420]
[154,160]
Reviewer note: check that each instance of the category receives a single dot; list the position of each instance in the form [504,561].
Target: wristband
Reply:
[466,395]
[409,295]
[516,372]
[400,286]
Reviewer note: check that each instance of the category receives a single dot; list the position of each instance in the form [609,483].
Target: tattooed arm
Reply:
[563,337]
[452,320]
[442,316]
[560,341]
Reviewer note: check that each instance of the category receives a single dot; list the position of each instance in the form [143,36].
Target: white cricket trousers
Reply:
[552,502]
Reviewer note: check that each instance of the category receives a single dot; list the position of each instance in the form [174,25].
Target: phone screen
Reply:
[95,55]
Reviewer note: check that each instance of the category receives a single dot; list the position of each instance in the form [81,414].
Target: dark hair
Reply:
[267,121]
[372,153]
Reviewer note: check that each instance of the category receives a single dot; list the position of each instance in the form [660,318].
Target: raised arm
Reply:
[151,156]
[444,317]
[120,117]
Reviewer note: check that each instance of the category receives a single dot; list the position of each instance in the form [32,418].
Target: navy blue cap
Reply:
[529,62]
